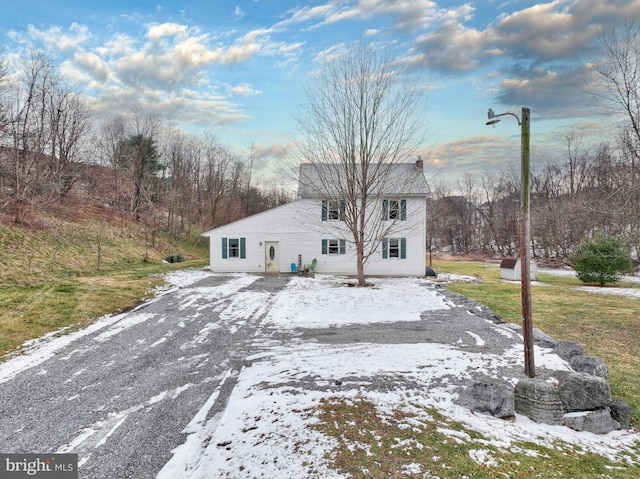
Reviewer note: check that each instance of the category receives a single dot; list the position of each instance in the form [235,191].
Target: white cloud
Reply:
[238,13]
[156,32]
[93,64]
[56,38]
[407,15]
[243,89]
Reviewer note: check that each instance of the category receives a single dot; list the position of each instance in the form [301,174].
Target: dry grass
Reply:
[417,442]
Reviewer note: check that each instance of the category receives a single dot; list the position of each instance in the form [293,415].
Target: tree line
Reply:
[53,150]
[139,165]
[589,189]
[583,190]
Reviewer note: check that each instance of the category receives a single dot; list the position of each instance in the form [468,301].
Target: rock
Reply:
[514,327]
[597,422]
[484,312]
[543,340]
[621,412]
[490,396]
[568,349]
[590,365]
[539,338]
[430,272]
[538,400]
[582,391]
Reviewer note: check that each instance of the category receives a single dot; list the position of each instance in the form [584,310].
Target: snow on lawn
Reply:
[267,427]
[628,292]
[266,430]
[327,301]
[611,290]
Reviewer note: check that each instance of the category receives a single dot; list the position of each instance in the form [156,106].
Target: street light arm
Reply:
[491,115]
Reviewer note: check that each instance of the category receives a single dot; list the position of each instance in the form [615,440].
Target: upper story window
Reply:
[333,210]
[394,210]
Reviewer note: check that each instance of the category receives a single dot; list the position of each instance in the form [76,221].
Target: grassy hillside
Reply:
[79,242]
[62,270]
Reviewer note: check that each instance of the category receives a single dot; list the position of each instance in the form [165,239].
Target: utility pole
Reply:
[524,236]
[525,249]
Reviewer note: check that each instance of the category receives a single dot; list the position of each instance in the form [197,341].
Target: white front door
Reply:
[271,257]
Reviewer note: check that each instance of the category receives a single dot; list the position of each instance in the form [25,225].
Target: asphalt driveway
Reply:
[121,396]
[125,395]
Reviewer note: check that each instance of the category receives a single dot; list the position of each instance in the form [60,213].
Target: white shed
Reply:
[511,270]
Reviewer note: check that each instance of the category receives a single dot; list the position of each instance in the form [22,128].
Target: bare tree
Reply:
[70,117]
[28,133]
[110,135]
[4,119]
[360,120]
[579,162]
[43,125]
[218,177]
[617,82]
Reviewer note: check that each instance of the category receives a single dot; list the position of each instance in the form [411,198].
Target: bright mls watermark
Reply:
[49,466]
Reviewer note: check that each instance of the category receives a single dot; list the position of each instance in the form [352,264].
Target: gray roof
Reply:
[329,180]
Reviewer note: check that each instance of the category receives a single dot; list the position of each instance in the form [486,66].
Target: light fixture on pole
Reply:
[524,236]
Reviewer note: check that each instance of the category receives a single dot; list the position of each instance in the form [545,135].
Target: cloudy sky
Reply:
[236,68]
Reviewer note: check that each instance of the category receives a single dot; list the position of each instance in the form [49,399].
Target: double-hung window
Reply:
[394,248]
[394,210]
[333,210]
[334,246]
[234,248]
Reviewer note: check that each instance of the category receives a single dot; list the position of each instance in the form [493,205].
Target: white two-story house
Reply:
[314,227]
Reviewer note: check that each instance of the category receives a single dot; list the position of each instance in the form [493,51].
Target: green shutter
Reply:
[385,210]
[325,208]
[224,248]
[403,248]
[343,246]
[385,248]
[403,210]
[343,209]
[243,247]
[325,246]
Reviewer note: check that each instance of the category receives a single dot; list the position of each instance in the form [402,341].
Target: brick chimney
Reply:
[419,163]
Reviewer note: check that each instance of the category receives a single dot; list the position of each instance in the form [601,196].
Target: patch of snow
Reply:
[126,323]
[479,340]
[185,277]
[325,301]
[627,292]
[483,457]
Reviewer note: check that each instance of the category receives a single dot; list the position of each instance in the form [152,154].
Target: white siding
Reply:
[299,230]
